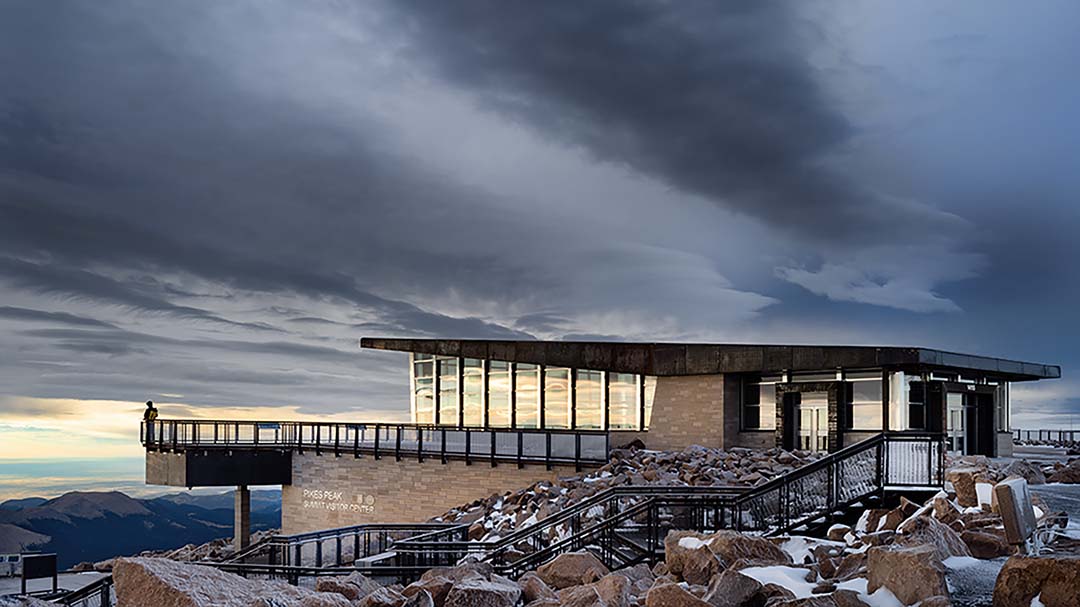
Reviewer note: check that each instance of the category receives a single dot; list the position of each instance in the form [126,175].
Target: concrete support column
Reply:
[242,518]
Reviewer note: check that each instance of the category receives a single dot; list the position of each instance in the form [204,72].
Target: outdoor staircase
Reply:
[622,525]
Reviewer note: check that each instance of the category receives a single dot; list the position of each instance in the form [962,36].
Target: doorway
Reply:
[970,422]
[812,417]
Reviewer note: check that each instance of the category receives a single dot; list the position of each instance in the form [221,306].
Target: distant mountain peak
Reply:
[81,504]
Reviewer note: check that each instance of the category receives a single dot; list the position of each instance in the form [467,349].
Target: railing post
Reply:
[493,451]
[337,440]
[521,445]
[397,446]
[468,447]
[547,450]
[442,447]
[577,452]
[420,445]
[378,429]
[173,428]
[356,441]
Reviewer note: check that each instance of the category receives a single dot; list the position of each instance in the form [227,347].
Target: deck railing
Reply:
[421,441]
[1046,436]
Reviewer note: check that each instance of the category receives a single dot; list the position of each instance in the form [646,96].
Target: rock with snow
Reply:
[478,592]
[927,530]
[570,569]
[1026,470]
[354,586]
[911,574]
[383,597]
[672,595]
[1055,580]
[436,586]
[1067,473]
[963,481]
[166,583]
[733,589]
[733,547]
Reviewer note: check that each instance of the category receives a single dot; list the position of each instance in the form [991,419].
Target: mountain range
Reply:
[94,526]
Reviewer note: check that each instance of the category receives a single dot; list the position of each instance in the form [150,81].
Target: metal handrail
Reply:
[383,439]
[1046,435]
[101,587]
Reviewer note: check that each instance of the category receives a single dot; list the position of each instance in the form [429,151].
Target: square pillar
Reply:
[242,518]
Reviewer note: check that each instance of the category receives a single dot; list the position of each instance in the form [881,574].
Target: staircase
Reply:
[622,525]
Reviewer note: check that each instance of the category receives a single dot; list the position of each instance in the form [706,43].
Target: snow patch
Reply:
[1036,601]
[984,491]
[692,543]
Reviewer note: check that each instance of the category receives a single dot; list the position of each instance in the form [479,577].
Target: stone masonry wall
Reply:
[330,491]
[687,410]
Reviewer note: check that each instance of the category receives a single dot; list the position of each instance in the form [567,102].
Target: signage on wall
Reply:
[337,501]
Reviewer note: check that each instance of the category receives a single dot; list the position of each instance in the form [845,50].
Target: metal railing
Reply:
[333,547]
[625,525]
[1046,436]
[99,593]
[421,441]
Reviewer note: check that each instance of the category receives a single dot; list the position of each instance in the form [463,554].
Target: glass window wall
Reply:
[864,405]
[423,390]
[473,391]
[527,396]
[448,391]
[589,400]
[623,401]
[556,397]
[498,394]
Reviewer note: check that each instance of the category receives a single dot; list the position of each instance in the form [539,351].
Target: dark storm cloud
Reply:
[713,98]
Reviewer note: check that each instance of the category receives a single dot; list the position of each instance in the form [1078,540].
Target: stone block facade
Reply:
[328,491]
[687,410]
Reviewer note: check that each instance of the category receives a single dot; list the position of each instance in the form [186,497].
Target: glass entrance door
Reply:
[813,415]
[955,424]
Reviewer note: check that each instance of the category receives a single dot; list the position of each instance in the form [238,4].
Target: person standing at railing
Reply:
[149,415]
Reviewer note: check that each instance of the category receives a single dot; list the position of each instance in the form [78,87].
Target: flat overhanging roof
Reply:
[704,359]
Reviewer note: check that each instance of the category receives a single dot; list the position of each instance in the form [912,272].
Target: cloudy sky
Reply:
[208,203]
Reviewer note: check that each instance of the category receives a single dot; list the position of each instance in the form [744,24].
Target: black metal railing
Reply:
[1065,437]
[336,547]
[624,525]
[99,593]
[421,441]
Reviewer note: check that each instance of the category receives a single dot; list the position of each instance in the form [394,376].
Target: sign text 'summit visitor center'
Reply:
[489,416]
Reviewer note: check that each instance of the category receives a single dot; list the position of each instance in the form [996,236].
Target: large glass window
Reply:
[498,394]
[759,403]
[448,391]
[423,390]
[473,392]
[622,401]
[864,405]
[556,397]
[527,396]
[589,400]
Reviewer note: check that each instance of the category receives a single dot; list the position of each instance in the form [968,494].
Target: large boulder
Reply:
[436,585]
[478,592]
[1026,470]
[383,597]
[580,596]
[1067,474]
[354,586]
[640,576]
[571,569]
[985,545]
[754,551]
[927,530]
[733,589]
[1054,579]
[911,574]
[963,481]
[678,546]
[165,583]
[533,587]
[672,595]
[614,590]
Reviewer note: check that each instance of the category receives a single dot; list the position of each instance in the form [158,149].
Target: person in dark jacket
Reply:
[149,416]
